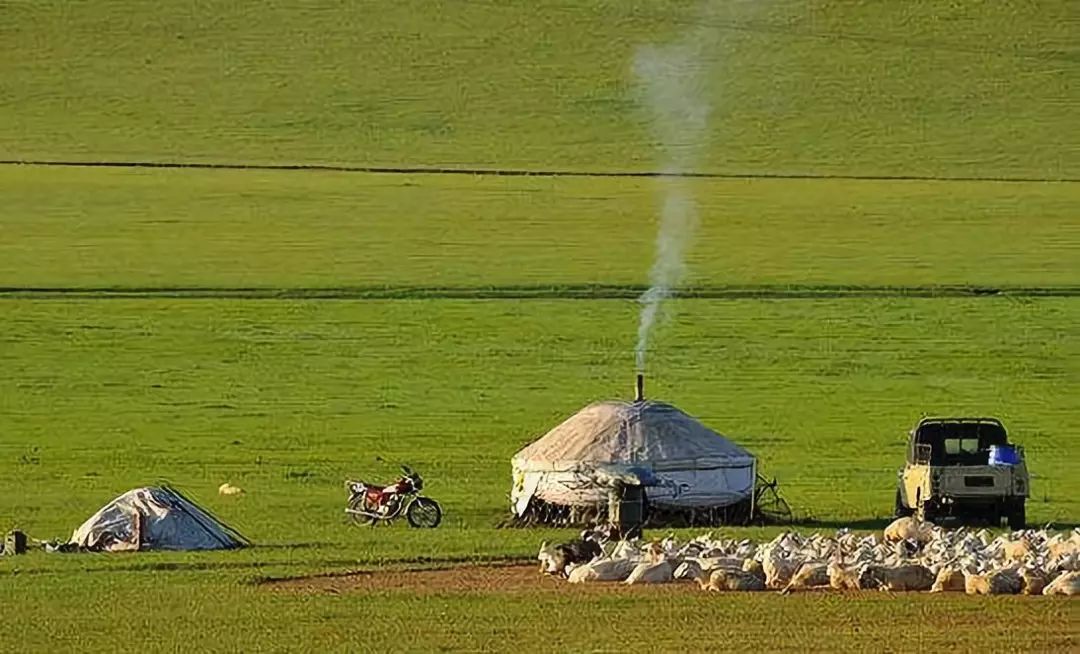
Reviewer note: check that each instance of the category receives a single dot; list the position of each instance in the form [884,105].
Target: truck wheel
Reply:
[900,510]
[1018,517]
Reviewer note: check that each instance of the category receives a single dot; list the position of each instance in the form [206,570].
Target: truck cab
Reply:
[963,468]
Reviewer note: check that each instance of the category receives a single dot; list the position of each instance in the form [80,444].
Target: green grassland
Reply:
[286,398]
[475,312]
[872,87]
[219,229]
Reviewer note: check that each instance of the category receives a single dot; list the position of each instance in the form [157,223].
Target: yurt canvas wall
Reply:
[700,468]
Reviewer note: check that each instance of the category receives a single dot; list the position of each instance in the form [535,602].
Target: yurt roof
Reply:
[647,432]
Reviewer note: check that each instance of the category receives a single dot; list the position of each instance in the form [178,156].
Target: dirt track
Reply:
[490,578]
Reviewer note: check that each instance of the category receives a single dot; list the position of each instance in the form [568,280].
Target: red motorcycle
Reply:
[370,504]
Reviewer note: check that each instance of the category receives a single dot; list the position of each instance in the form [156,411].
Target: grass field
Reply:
[870,87]
[174,324]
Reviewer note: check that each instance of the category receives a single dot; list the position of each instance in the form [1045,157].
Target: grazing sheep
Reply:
[949,580]
[897,578]
[809,575]
[229,490]
[1066,584]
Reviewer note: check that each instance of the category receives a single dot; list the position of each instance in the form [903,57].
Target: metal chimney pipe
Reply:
[640,388]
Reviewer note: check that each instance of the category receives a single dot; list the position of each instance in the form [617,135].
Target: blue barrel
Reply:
[1003,455]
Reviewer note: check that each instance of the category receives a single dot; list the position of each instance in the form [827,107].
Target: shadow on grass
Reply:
[342,566]
[293,546]
[855,524]
[410,564]
[173,566]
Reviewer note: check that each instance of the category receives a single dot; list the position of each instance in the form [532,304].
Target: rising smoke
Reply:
[673,86]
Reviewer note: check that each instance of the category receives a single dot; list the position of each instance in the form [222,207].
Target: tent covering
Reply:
[154,518]
[699,467]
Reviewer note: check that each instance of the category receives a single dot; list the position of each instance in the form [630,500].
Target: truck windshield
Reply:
[959,442]
[961,445]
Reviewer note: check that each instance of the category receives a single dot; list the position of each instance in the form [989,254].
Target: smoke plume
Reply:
[672,81]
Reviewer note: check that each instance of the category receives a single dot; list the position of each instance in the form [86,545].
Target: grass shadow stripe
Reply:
[529,292]
[524,172]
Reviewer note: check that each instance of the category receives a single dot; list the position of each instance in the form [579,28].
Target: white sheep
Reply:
[1016,550]
[1033,580]
[809,575]
[648,572]
[948,580]
[1066,584]
[738,580]
[998,582]
[911,577]
[909,528]
[603,570]
[841,577]
[721,579]
[229,490]
[932,558]
[778,569]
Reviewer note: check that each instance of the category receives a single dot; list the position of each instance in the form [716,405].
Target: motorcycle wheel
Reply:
[424,513]
[357,504]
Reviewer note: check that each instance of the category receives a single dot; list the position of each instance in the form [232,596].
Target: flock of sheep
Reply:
[909,556]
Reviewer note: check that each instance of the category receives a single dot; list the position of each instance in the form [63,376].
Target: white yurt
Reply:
[154,518]
[697,468]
